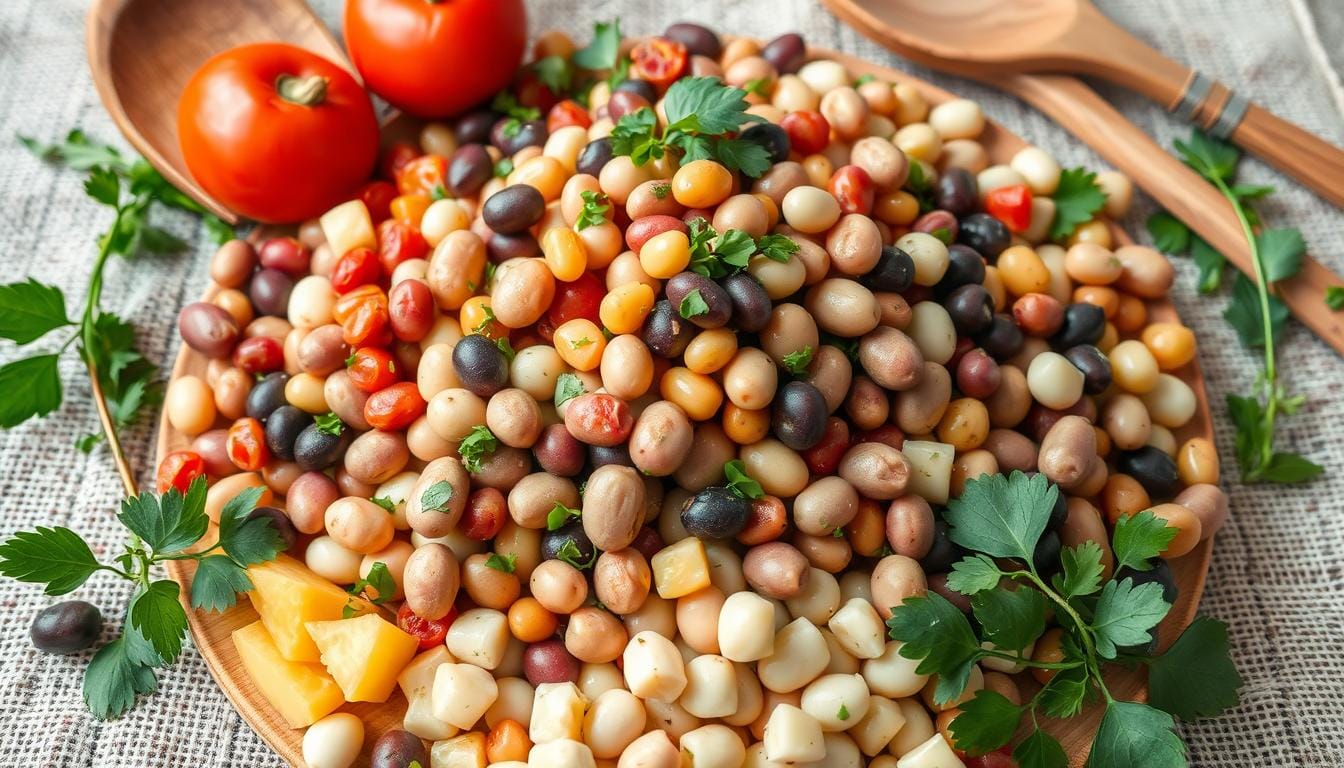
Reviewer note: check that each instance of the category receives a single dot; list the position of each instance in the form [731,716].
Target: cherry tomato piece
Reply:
[485,514]
[565,113]
[578,299]
[398,242]
[371,369]
[430,632]
[378,197]
[395,158]
[285,254]
[824,457]
[854,189]
[357,267]
[808,130]
[259,354]
[424,174]
[178,469]
[659,60]
[369,324]
[246,445]
[1010,205]
[410,305]
[395,407]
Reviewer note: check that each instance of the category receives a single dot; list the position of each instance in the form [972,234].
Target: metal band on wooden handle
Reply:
[1192,97]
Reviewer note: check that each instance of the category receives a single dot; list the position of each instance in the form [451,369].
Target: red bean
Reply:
[208,329]
[643,229]
[485,514]
[598,419]
[259,354]
[285,254]
[978,374]
[549,662]
[559,452]
[1038,314]
[411,309]
[824,457]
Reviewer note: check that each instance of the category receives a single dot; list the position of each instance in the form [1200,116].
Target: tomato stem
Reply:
[303,91]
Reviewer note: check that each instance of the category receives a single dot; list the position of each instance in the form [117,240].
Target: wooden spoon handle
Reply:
[1306,157]
[1069,102]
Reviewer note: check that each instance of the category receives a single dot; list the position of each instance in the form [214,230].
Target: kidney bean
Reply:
[511,136]
[208,329]
[480,365]
[720,306]
[1082,324]
[559,452]
[594,156]
[978,374]
[776,569]
[786,53]
[1096,367]
[699,40]
[751,304]
[598,419]
[798,415]
[824,457]
[269,292]
[468,170]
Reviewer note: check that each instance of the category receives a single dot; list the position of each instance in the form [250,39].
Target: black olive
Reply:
[798,415]
[786,52]
[1083,324]
[1002,339]
[519,245]
[971,309]
[1155,471]
[269,292]
[955,192]
[602,455]
[642,88]
[1058,513]
[1160,573]
[1046,556]
[468,170]
[513,209]
[986,234]
[280,522]
[315,450]
[717,306]
[665,331]
[715,513]
[894,271]
[398,749]
[699,41]
[773,138]
[942,553]
[282,429]
[553,541]
[267,395]
[66,627]
[595,154]
[510,135]
[964,267]
[474,127]
[480,365]
[1096,367]
[751,304]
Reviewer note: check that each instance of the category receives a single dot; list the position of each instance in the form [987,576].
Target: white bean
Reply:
[311,302]
[746,627]
[462,694]
[819,599]
[712,746]
[750,698]
[1039,168]
[933,753]
[932,331]
[930,468]
[836,701]
[929,254]
[653,667]
[597,679]
[561,753]
[892,675]
[997,177]
[1054,381]
[875,730]
[859,629]
[958,119]
[1171,403]
[331,561]
[613,721]
[557,712]
[841,663]
[917,729]
[792,735]
[513,703]
[711,687]
[479,637]
[333,741]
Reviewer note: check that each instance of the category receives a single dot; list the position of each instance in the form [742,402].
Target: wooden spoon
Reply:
[995,38]
[142,52]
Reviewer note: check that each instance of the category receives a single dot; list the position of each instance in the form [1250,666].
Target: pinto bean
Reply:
[876,470]
[613,507]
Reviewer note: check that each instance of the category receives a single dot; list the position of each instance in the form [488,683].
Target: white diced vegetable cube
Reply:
[557,713]
[462,693]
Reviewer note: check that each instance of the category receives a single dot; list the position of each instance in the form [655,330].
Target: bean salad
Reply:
[649,442]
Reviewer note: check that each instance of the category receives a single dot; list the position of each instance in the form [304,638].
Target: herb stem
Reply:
[1084,631]
[1029,662]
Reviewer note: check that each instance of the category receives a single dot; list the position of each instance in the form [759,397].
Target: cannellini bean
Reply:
[712,746]
[859,629]
[1171,403]
[1054,381]
[837,702]
[561,753]
[750,697]
[711,687]
[333,741]
[514,702]
[893,675]
[933,753]
[793,736]
[800,655]
[652,750]
[613,721]
[653,667]
[462,694]
[875,730]
[918,728]
[841,662]
[819,599]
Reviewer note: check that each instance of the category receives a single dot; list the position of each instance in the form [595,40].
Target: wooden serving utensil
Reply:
[994,38]
[142,52]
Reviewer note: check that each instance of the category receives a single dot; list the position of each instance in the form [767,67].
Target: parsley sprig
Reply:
[701,114]
[1076,199]
[160,528]
[596,206]
[604,53]
[477,446]
[1254,311]
[999,521]
[382,583]
[715,254]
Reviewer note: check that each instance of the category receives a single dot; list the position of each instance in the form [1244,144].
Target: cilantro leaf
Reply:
[1139,538]
[987,722]
[217,582]
[167,523]
[1010,619]
[32,387]
[476,447]
[567,387]
[1076,198]
[920,184]
[693,305]
[740,483]
[502,563]
[330,424]
[776,247]
[28,311]
[1040,750]
[1243,312]
[1195,678]
[594,212]
[1210,157]
[1081,570]
[796,362]
[248,540]
[570,553]
[436,497]
[1170,235]
[113,679]
[635,135]
[56,557]
[1210,264]
[1133,735]
[1125,614]
[1281,251]
[973,574]
[1002,516]
[605,48]
[936,633]
[559,515]
[156,614]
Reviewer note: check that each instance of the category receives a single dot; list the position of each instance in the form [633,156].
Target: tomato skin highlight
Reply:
[1010,205]
[430,632]
[659,60]
[266,157]
[178,469]
[809,131]
[436,59]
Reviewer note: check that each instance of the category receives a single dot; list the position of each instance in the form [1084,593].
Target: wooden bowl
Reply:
[212,630]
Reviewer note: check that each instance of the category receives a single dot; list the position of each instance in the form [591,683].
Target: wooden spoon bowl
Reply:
[212,630]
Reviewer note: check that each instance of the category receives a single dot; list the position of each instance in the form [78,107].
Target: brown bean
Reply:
[843,307]
[1009,404]
[212,447]
[231,391]
[884,162]
[1012,450]
[832,374]
[455,268]
[744,212]
[233,263]
[829,553]
[866,533]
[776,570]
[765,522]
[969,466]
[1125,418]
[375,456]
[621,580]
[791,329]
[814,258]
[919,409]
[653,198]
[522,292]
[896,577]
[431,580]
[594,636]
[1187,526]
[1208,503]
[208,329]
[613,507]
[358,524]
[438,498]
[514,417]
[893,310]
[854,244]
[323,350]
[710,450]
[503,469]
[876,470]
[346,400]
[1145,272]
[532,499]
[558,586]
[489,587]
[1083,523]
[891,358]
[910,526]
[307,500]
[780,179]
[661,439]
[825,505]
[1067,451]
[867,404]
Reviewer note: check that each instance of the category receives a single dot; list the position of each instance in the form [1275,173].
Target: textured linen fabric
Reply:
[1278,568]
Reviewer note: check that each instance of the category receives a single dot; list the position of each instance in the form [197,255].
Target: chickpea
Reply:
[488,586]
[530,622]
[359,525]
[558,586]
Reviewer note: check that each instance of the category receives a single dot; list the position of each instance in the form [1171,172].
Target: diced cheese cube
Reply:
[301,693]
[792,735]
[557,713]
[653,667]
[348,226]
[561,753]
[934,753]
[364,654]
[681,568]
[417,683]
[480,637]
[930,469]
[465,751]
[462,693]
[287,596]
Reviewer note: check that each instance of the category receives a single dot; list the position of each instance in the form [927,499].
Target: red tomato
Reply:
[246,445]
[178,469]
[580,298]
[276,133]
[659,60]
[1010,205]
[435,59]
[259,354]
[363,315]
[371,369]
[395,158]
[378,197]
[824,457]
[357,267]
[398,242]
[430,632]
[567,112]
[854,189]
[394,408]
[808,130]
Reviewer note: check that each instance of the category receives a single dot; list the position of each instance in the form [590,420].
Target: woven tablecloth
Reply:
[1278,567]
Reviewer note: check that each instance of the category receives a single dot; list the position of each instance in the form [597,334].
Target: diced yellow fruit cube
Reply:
[301,693]
[465,751]
[348,226]
[681,568]
[364,654]
[287,596]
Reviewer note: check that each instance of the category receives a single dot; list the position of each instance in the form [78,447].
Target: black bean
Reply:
[1083,324]
[1058,513]
[269,292]
[474,127]
[699,41]
[720,307]
[964,267]
[398,749]
[715,513]
[1046,555]
[798,415]
[894,271]
[665,331]
[971,308]
[773,138]
[595,154]
[1160,573]
[955,192]
[282,429]
[986,234]
[553,541]
[280,522]
[267,395]
[519,245]
[751,304]
[480,365]
[942,554]
[468,169]
[602,455]
[315,450]
[1155,471]
[638,87]
[513,209]
[1002,339]
[786,52]
[511,134]
[1096,367]
[66,627]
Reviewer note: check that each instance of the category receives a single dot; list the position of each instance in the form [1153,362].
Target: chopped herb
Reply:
[796,362]
[739,482]
[604,53]
[595,208]
[502,563]
[701,111]
[554,72]
[693,305]
[380,581]
[438,192]
[436,497]
[580,343]
[559,515]
[567,387]
[920,186]
[503,168]
[1076,198]
[488,317]
[507,104]
[506,347]
[476,446]
[349,361]
[944,234]
[661,191]
[776,247]
[386,503]
[570,553]
[329,424]
[1334,297]
[864,79]
[759,87]
[843,714]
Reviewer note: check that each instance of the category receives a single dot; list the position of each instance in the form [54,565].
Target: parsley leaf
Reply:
[217,582]
[1002,516]
[555,73]
[28,311]
[635,135]
[559,515]
[1210,157]
[1081,570]
[705,105]
[920,185]
[1139,538]
[776,247]
[1210,264]
[987,722]
[740,483]
[796,362]
[1195,678]
[973,574]
[570,553]
[699,110]
[379,579]
[329,424]
[502,563]
[506,347]
[477,446]
[385,502]
[1281,251]
[605,48]
[936,633]
[156,614]
[56,557]
[567,387]
[114,679]
[32,387]
[741,155]
[693,305]
[595,208]
[436,497]
[1289,468]
[1066,692]
[1040,750]
[248,540]
[1125,613]
[1243,313]
[1010,619]
[1334,297]
[1133,734]
[1170,235]
[167,523]
[503,168]
[1076,198]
